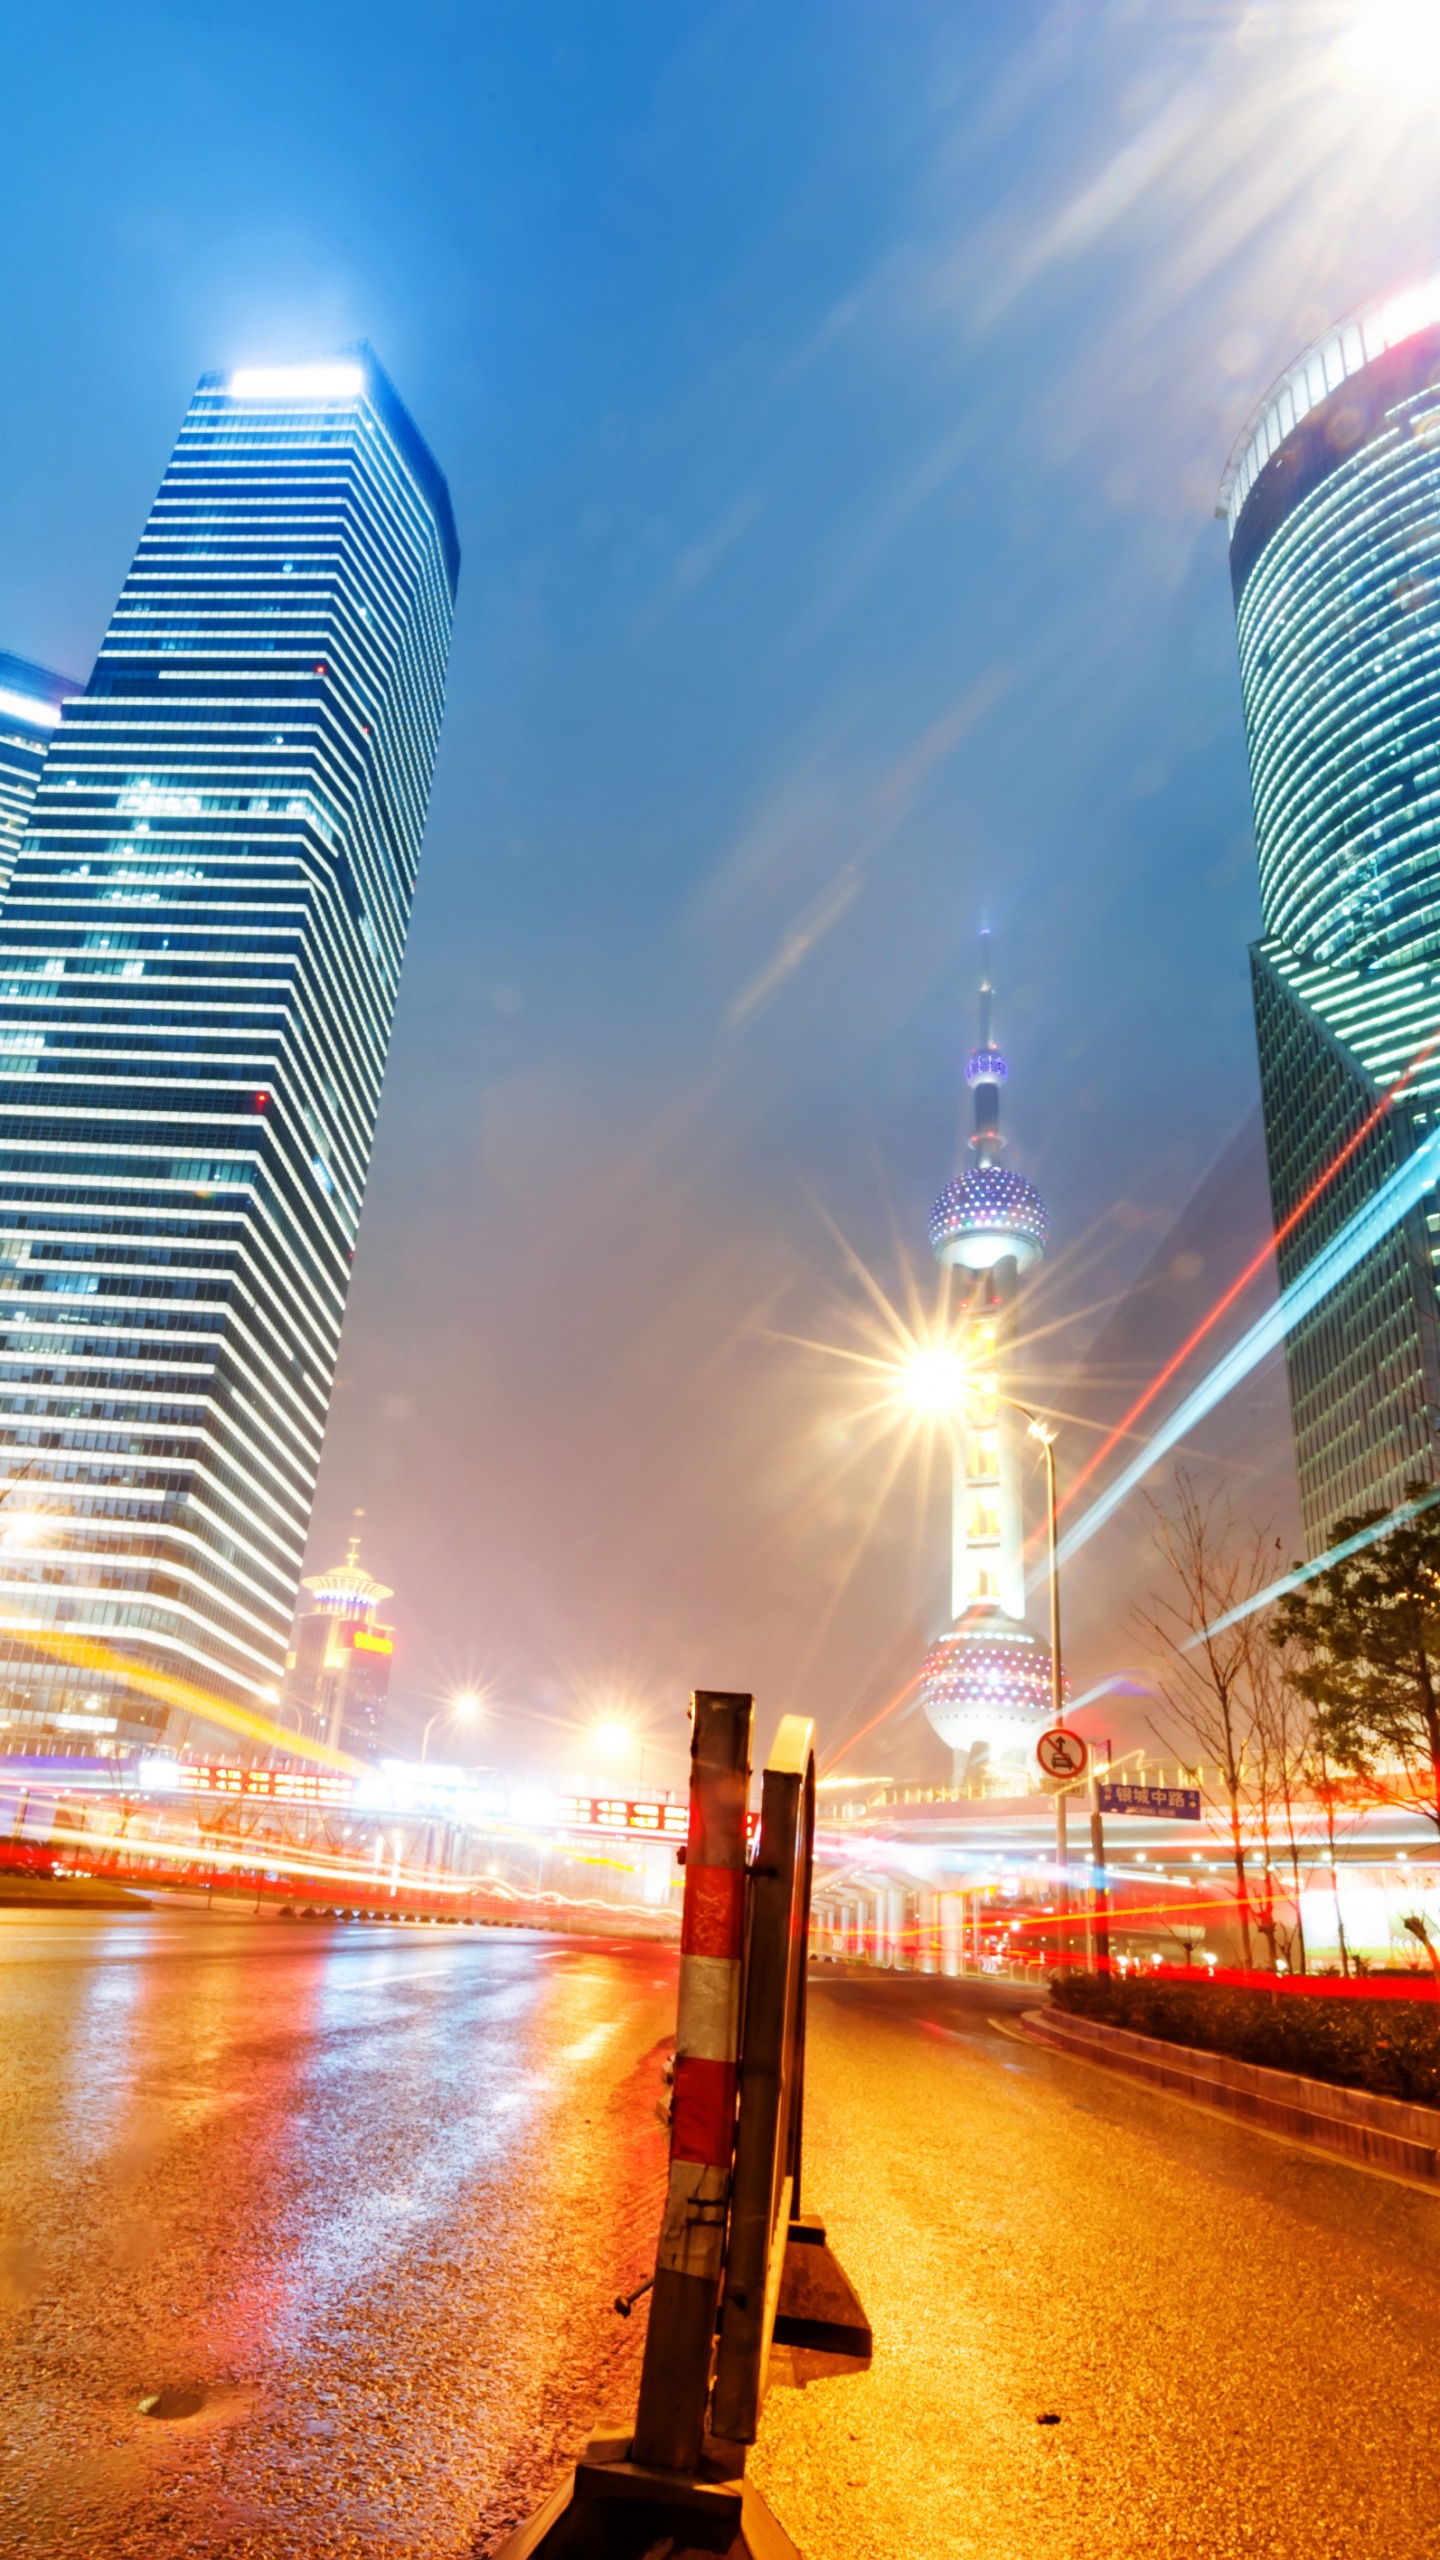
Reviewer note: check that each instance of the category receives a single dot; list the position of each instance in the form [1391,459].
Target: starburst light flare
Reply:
[1392,47]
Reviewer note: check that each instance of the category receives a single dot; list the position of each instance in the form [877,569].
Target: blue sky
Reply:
[834,398]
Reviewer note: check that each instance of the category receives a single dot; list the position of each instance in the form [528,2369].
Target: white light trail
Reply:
[1304,1573]
[1397,1195]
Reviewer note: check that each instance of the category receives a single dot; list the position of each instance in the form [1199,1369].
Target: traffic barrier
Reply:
[738,2266]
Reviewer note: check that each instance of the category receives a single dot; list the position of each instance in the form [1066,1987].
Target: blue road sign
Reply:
[1177,1804]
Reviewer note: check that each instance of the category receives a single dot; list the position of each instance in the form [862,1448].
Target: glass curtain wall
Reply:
[199,956]
[1334,506]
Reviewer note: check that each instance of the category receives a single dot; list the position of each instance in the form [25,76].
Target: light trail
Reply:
[1128,1684]
[1252,1269]
[355,1878]
[888,1709]
[1304,1573]
[84,1653]
[1370,1224]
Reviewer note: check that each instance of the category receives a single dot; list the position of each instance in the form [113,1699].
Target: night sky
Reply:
[834,398]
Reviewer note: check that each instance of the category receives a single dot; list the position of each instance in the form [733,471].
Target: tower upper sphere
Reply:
[986,1214]
[986,1066]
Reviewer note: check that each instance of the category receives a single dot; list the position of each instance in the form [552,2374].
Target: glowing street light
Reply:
[936,1380]
[1391,44]
[613,1735]
[461,1710]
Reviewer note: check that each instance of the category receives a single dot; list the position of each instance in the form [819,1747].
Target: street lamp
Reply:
[612,1734]
[1044,1432]
[462,1710]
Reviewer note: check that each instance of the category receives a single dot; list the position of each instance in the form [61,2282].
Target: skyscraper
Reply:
[1333,505]
[199,956]
[985,1684]
[30,699]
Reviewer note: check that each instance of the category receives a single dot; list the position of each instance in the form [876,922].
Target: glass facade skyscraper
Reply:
[30,699]
[1333,503]
[199,956]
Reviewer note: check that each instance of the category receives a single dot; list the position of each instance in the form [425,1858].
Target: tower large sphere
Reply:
[987,1214]
[988,1684]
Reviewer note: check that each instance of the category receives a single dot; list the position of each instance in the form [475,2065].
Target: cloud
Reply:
[798,943]
[887,803]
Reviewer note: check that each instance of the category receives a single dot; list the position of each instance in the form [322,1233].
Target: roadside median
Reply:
[1390,2134]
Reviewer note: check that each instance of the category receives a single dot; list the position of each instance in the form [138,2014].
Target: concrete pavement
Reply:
[1236,2338]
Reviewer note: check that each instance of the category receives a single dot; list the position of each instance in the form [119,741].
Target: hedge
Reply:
[1391,2047]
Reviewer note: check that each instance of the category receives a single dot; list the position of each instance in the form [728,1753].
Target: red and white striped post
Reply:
[679,2344]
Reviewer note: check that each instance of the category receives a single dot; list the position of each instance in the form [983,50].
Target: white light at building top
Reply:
[297,382]
[27,706]
[1344,350]
[1393,45]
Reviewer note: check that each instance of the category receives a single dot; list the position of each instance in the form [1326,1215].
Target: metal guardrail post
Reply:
[732,2208]
[675,2375]
[772,2065]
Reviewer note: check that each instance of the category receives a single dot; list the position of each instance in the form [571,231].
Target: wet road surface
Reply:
[1238,2338]
[364,2195]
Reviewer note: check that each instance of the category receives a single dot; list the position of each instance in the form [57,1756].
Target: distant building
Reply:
[1333,502]
[337,1674]
[199,957]
[30,699]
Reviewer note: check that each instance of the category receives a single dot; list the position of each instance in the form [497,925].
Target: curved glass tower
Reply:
[199,956]
[1333,506]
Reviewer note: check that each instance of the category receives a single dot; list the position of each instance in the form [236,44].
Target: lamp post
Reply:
[463,1708]
[1044,1432]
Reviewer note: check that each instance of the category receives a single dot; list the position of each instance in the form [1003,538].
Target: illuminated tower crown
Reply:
[987,1213]
[347,1590]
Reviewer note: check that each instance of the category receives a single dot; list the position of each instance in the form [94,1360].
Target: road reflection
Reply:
[362,2197]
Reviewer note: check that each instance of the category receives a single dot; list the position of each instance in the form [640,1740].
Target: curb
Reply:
[1382,2133]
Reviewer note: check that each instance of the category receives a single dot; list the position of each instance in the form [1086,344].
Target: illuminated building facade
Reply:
[199,956]
[985,1684]
[30,699]
[337,1674]
[1333,506]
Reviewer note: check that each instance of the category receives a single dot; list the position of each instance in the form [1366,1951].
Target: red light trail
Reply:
[1251,1271]
[887,1710]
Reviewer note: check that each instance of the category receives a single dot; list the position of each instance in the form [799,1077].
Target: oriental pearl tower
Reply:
[985,1684]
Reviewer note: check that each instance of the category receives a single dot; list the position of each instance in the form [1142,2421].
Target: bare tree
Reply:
[1285,1739]
[1214,1647]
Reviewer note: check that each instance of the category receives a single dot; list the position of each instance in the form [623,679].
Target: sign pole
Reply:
[1099,1894]
[1046,1438]
[1063,1759]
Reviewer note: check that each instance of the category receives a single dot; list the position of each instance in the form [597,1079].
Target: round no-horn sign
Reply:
[1061,1754]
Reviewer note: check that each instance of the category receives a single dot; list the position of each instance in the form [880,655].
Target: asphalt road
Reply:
[363,2197]
[365,2194]
[1237,2338]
